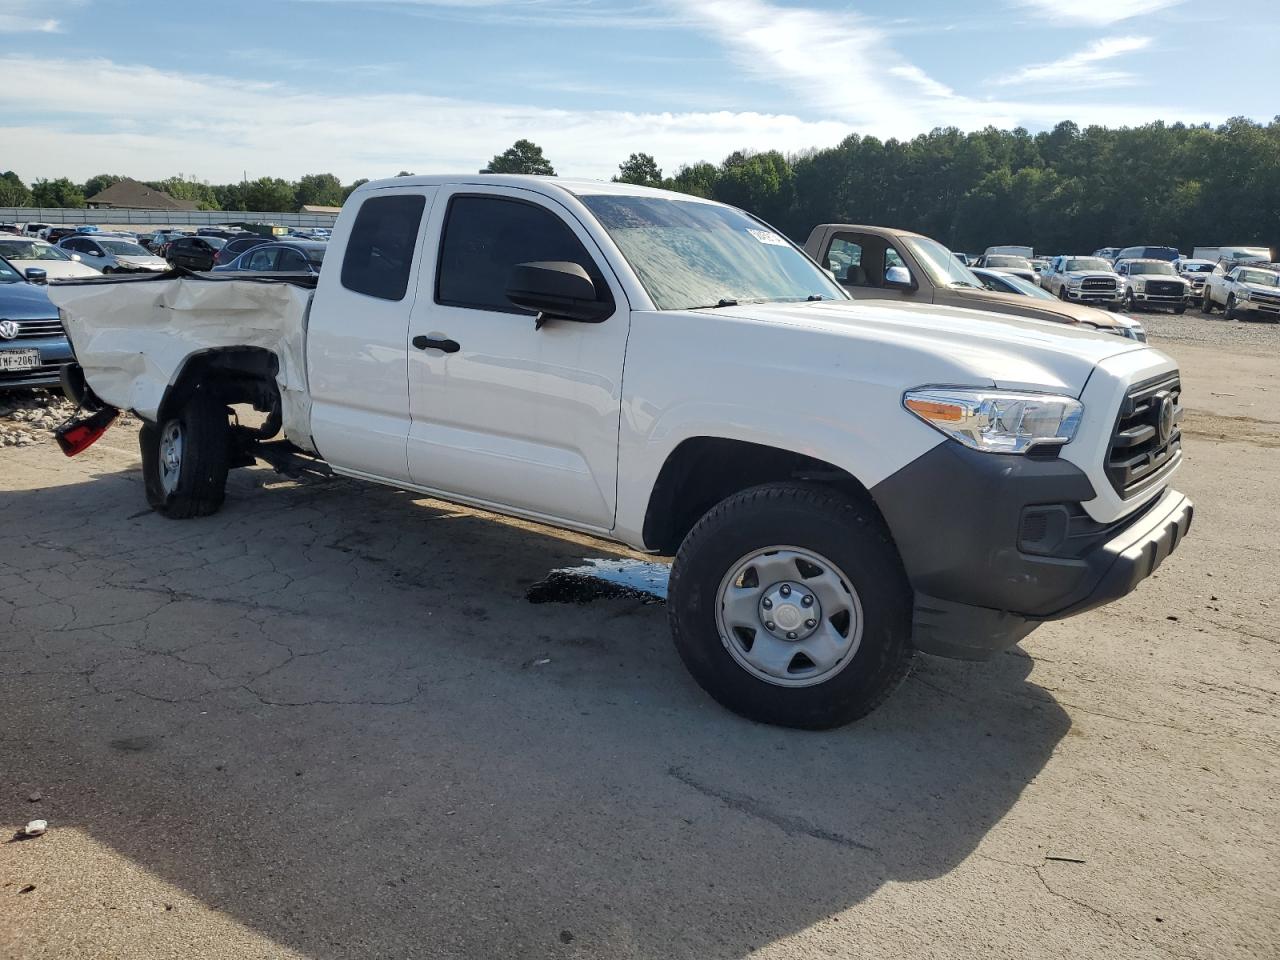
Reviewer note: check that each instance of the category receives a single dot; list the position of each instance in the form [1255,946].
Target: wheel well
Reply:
[702,471]
[239,374]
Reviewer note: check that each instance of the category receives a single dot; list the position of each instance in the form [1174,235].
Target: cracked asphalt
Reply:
[326,723]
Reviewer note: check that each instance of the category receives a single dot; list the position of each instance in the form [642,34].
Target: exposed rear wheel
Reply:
[185,459]
[789,605]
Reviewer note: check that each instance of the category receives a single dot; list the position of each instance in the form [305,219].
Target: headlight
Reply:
[997,421]
[1242,295]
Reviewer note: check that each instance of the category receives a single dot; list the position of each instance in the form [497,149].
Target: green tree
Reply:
[96,184]
[761,183]
[56,193]
[13,192]
[698,180]
[640,169]
[319,189]
[179,187]
[352,187]
[269,194]
[523,156]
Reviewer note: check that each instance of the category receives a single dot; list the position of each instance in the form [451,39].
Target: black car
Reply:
[194,253]
[241,243]
[33,346]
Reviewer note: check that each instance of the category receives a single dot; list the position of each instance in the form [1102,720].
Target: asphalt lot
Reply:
[327,723]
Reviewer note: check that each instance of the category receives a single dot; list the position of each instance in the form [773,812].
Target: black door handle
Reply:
[431,343]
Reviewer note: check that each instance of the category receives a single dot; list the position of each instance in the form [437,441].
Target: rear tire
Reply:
[802,538]
[185,459]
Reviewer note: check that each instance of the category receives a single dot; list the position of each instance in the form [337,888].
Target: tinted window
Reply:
[291,260]
[380,248]
[845,261]
[261,259]
[484,237]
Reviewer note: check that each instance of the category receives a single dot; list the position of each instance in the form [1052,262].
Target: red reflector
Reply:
[78,437]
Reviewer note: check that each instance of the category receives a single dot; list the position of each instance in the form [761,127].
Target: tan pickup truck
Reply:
[882,263]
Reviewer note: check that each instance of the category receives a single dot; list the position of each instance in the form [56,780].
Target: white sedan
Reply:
[114,254]
[27,253]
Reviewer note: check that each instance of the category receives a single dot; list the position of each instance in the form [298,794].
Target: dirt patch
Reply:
[1209,426]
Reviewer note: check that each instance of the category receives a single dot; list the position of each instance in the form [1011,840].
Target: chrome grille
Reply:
[1097,283]
[1147,440]
[35,329]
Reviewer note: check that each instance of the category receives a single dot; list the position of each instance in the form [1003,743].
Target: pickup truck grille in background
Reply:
[35,329]
[1147,441]
[1097,283]
[1164,288]
[1270,299]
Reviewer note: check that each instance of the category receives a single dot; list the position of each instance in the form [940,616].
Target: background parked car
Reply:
[1107,253]
[28,253]
[1242,291]
[301,256]
[233,248]
[33,228]
[194,253]
[1009,263]
[56,234]
[157,239]
[1195,272]
[1234,256]
[1089,280]
[114,254]
[1148,253]
[33,345]
[1153,283]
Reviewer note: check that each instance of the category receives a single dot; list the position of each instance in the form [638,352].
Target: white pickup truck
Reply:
[841,483]
[1242,291]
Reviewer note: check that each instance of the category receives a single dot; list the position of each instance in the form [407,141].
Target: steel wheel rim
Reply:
[171,456]
[786,650]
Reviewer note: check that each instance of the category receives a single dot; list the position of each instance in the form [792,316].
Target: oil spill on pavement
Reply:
[602,579]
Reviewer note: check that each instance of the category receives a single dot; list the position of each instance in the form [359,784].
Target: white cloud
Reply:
[1082,66]
[26,16]
[279,130]
[1098,13]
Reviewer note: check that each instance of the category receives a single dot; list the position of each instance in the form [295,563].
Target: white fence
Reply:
[74,216]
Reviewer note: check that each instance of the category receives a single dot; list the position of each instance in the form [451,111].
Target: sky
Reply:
[230,89]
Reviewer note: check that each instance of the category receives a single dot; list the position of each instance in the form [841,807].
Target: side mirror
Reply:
[898,277]
[558,290]
[36,275]
[75,257]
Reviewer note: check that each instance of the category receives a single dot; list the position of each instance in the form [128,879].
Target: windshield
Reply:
[123,248]
[1088,263]
[1026,287]
[690,254]
[1017,263]
[939,263]
[1163,269]
[30,250]
[8,274]
[1264,277]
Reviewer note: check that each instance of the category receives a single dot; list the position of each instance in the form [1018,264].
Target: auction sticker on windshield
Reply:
[19,359]
[768,236]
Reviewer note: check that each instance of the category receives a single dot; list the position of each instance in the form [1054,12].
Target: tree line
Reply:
[1069,189]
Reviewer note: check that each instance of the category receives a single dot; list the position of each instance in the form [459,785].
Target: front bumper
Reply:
[995,545]
[1260,307]
[54,353]
[1161,300]
[1108,297]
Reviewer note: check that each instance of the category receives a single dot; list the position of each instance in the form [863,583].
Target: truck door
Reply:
[860,262]
[357,363]
[502,412]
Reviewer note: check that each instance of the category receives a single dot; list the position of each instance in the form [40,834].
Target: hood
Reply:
[1035,308]
[25,301]
[1091,275]
[143,261]
[1262,288]
[57,269]
[1144,277]
[971,347]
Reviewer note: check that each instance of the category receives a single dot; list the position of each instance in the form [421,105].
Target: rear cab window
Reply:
[379,254]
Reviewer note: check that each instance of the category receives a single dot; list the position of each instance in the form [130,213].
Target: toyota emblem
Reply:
[9,329]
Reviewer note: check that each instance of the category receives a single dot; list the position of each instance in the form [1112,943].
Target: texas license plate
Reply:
[19,359]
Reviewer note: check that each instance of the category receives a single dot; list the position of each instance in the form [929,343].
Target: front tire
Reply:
[1206,306]
[185,458]
[823,567]
[1230,311]
[1130,304]
[1062,294]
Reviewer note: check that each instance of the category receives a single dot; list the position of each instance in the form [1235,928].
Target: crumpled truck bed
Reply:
[132,337]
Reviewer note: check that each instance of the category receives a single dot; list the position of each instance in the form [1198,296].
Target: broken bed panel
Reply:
[133,337]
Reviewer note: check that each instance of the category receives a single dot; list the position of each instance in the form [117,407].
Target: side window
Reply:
[892,259]
[291,260]
[844,259]
[261,260]
[484,237]
[380,248]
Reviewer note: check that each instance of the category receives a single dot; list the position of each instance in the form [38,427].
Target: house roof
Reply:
[138,196]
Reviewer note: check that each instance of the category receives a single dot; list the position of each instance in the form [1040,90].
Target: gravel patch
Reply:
[30,416]
[1196,327]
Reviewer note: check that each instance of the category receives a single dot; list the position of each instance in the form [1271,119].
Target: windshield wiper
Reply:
[724,302]
[814,298]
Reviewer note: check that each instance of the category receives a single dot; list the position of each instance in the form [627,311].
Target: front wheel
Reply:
[789,605]
[1180,309]
[1206,305]
[1062,294]
[1130,304]
[1230,311]
[186,457]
